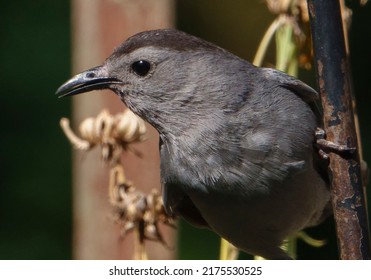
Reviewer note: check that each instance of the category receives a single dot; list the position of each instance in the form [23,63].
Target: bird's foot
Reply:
[324,146]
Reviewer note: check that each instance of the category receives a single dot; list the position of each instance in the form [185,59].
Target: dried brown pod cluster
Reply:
[133,210]
[112,132]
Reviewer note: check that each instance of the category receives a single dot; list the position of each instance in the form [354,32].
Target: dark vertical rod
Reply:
[333,79]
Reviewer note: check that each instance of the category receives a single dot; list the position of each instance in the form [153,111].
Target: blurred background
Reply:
[37,39]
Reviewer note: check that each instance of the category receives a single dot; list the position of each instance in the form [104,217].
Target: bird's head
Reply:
[161,73]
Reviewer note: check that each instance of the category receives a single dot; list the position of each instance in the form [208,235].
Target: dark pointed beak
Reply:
[93,79]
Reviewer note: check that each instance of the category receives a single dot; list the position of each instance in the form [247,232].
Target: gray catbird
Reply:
[236,141]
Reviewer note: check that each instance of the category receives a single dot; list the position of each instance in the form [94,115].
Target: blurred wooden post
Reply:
[97,27]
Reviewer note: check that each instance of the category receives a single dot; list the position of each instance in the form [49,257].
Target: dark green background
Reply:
[35,189]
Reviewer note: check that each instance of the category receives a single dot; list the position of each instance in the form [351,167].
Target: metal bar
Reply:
[333,78]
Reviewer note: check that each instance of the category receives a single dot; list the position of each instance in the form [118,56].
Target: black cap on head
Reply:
[164,38]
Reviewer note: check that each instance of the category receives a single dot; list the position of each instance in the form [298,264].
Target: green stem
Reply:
[286,50]
[264,43]
[227,250]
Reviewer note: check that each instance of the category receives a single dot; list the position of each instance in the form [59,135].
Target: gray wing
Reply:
[312,98]
[302,90]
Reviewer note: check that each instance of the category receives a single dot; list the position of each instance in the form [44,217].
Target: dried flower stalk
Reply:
[133,210]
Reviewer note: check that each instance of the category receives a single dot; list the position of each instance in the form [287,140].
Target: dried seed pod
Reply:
[129,127]
[113,133]
[77,143]
[104,126]
[87,131]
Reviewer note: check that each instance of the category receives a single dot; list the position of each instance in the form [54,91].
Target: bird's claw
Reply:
[324,145]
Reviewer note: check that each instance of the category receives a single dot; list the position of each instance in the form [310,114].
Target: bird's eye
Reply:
[141,67]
